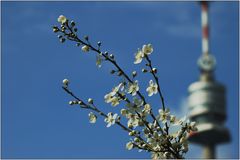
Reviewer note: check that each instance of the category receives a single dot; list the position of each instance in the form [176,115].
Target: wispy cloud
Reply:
[180,22]
[184,31]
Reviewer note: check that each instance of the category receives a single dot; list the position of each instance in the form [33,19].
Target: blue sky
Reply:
[37,121]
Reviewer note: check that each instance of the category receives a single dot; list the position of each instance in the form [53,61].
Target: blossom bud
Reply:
[111,56]
[155,124]
[130,126]
[124,112]
[144,145]
[90,100]
[71,102]
[75,102]
[75,29]
[182,140]
[62,40]
[132,133]
[158,129]
[146,131]
[185,147]
[141,123]
[166,154]
[65,82]
[55,29]
[144,70]
[62,19]
[154,70]
[120,73]
[60,36]
[72,23]
[72,35]
[63,28]
[134,73]
[99,43]
[136,139]
[78,44]
[86,38]
[129,145]
[118,119]
[106,53]
[172,119]
[85,48]
[155,134]
[80,102]
[112,71]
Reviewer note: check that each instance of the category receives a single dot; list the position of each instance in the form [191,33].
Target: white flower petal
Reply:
[129,145]
[109,125]
[115,116]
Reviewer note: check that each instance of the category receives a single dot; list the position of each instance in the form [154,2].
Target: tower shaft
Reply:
[209,152]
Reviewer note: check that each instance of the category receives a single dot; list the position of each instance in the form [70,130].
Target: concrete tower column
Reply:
[209,152]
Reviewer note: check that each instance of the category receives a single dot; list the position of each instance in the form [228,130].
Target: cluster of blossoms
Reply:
[163,135]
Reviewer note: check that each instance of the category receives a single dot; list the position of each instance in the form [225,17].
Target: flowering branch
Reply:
[149,136]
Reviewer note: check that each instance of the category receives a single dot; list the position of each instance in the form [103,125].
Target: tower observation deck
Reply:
[206,101]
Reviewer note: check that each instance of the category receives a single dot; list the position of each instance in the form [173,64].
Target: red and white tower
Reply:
[207,103]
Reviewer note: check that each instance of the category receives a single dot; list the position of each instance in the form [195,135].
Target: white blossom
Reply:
[164,115]
[62,19]
[133,88]
[152,89]
[135,106]
[138,57]
[147,49]
[85,48]
[111,99]
[115,101]
[137,101]
[156,140]
[133,120]
[92,117]
[111,119]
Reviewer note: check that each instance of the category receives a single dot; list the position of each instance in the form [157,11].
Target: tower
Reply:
[207,103]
